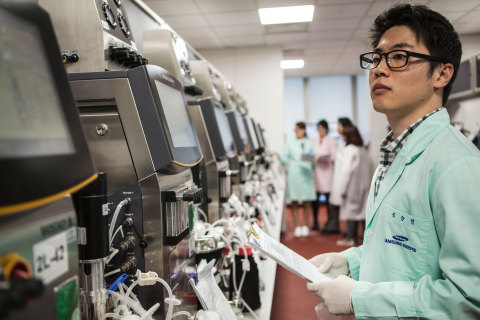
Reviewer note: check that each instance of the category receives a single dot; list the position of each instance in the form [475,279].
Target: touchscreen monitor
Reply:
[225,133]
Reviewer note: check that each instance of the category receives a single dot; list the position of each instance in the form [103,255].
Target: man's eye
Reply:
[399,56]
[376,59]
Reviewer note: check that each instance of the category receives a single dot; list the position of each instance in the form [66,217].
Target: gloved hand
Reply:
[335,294]
[332,264]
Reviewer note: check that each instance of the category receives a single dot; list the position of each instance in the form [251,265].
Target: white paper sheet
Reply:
[210,293]
[284,256]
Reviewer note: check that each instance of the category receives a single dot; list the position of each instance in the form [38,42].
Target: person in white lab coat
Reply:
[332,226]
[324,149]
[354,181]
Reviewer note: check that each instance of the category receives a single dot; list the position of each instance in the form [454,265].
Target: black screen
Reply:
[463,80]
[32,122]
[176,115]
[477,85]
[225,133]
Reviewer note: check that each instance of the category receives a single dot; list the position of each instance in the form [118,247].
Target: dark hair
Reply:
[345,122]
[352,136]
[430,27]
[323,123]
[302,126]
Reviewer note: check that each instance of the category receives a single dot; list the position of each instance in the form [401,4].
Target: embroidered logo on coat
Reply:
[400,238]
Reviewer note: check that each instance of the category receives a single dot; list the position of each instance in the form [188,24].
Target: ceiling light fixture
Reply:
[291,14]
[292,64]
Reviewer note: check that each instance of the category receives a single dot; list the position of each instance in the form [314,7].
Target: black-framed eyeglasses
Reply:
[395,58]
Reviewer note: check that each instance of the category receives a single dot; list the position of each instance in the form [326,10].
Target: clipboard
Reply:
[284,256]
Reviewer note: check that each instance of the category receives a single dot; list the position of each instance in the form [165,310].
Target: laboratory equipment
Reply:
[94,35]
[215,138]
[141,135]
[43,159]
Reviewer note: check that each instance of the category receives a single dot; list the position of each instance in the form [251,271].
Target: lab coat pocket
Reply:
[405,243]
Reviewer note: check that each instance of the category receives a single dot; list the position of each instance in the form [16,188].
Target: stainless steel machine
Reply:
[44,159]
[216,139]
[94,35]
[140,134]
[167,49]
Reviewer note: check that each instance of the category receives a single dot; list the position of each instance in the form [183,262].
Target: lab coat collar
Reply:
[420,138]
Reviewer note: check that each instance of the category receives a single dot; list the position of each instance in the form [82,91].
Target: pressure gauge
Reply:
[118,2]
[109,15]
[123,25]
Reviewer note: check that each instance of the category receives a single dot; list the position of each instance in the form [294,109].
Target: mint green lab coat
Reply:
[300,182]
[421,252]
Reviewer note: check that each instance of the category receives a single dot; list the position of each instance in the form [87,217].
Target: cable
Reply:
[111,273]
[120,228]
[202,213]
[110,257]
[115,216]
[249,309]
[112,315]
[184,313]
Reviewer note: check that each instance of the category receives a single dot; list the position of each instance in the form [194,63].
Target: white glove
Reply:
[335,294]
[332,264]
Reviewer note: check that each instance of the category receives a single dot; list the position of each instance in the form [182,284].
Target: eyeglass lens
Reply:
[395,59]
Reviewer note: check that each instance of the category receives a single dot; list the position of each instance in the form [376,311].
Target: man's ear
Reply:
[442,75]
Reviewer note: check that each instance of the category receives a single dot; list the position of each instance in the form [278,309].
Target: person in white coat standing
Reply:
[332,226]
[354,183]
[324,149]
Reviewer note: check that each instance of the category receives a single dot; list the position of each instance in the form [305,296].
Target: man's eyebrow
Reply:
[400,45]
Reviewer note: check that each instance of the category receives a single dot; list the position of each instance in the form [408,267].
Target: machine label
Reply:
[105,210]
[50,257]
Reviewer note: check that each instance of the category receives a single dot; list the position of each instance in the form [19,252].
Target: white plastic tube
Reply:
[115,216]
[184,313]
[110,257]
[112,315]
[111,272]
[119,229]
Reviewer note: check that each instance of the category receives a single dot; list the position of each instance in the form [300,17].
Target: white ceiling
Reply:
[330,44]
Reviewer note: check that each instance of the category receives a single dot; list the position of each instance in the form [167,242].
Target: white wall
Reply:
[255,73]
[294,105]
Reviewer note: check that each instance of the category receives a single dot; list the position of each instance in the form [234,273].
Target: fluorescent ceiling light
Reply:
[292,64]
[291,14]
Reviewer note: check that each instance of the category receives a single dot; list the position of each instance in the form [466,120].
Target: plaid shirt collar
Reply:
[390,147]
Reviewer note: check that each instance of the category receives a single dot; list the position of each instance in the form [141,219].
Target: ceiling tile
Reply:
[347,23]
[240,30]
[233,18]
[185,21]
[329,12]
[254,40]
[331,34]
[449,5]
[332,43]
[205,43]
[286,37]
[209,6]
[203,32]
[169,7]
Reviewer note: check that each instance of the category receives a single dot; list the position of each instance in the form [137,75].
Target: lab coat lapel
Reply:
[393,174]
[421,137]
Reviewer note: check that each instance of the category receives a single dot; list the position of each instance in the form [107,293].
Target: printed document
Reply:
[284,256]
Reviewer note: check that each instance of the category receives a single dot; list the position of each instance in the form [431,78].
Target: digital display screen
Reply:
[252,132]
[224,131]
[463,79]
[242,131]
[181,129]
[32,122]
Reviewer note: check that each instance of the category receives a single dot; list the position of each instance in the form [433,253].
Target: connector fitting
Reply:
[146,279]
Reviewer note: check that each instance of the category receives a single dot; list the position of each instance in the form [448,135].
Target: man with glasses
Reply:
[420,256]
